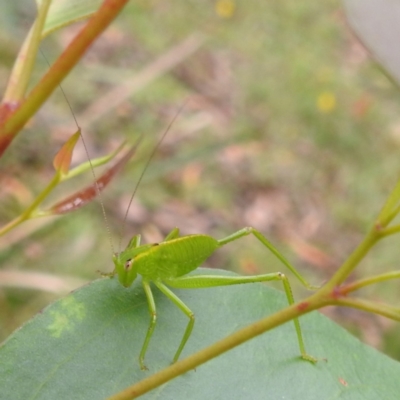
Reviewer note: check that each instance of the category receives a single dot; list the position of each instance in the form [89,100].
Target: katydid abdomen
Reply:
[175,257]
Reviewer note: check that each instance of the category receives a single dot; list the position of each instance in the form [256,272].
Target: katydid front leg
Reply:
[153,319]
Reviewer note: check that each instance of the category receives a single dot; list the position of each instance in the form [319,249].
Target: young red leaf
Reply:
[62,160]
[84,196]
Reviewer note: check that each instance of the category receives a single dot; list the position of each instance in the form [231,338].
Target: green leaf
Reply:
[86,346]
[66,12]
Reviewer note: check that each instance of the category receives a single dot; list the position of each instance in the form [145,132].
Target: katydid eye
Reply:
[128,264]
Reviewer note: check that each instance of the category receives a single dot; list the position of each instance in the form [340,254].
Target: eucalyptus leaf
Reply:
[86,346]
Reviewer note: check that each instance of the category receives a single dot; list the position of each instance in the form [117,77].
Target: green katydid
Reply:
[167,264]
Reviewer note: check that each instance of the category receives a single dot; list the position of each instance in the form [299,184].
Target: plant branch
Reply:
[391,207]
[370,306]
[351,287]
[390,231]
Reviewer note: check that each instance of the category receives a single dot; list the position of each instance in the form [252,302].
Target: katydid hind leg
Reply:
[266,243]
[204,281]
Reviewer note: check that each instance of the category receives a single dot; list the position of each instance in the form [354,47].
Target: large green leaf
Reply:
[85,346]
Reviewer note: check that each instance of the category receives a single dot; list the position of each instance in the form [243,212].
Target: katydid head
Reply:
[124,267]
[125,261]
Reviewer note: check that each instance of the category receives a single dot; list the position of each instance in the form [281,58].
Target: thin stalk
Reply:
[29,212]
[371,307]
[389,217]
[391,206]
[351,287]
[390,231]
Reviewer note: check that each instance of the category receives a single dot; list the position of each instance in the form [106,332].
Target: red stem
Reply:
[59,70]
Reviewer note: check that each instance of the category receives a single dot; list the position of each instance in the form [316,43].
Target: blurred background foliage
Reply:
[290,127]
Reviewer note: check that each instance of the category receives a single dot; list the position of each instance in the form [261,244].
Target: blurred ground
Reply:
[290,127]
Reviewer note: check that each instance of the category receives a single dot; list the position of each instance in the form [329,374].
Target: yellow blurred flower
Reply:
[225,8]
[326,102]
